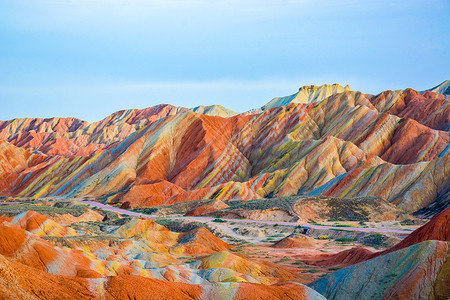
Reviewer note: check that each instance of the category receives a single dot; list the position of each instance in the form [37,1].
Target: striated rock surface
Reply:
[132,258]
[437,228]
[18,281]
[308,94]
[73,137]
[443,88]
[420,271]
[347,145]
[41,226]
[214,110]
[41,285]
[209,207]
[297,240]
[354,209]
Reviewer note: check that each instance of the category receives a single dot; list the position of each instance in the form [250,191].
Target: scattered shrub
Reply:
[311,271]
[268,240]
[283,259]
[324,237]
[218,220]
[345,240]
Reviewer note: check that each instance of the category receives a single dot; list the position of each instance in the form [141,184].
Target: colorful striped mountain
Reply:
[323,141]
[325,154]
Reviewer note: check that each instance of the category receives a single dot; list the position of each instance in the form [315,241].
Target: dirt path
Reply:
[135,214]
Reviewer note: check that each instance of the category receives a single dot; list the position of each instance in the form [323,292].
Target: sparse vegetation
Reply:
[91,226]
[342,225]
[304,267]
[219,220]
[312,222]
[324,237]
[74,210]
[269,239]
[345,240]
[180,226]
[283,259]
[311,271]
[407,222]
[375,240]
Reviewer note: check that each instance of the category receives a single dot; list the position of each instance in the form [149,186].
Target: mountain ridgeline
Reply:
[322,141]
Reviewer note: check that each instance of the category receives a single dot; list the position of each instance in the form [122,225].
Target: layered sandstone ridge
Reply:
[416,268]
[443,88]
[130,258]
[71,137]
[308,94]
[394,146]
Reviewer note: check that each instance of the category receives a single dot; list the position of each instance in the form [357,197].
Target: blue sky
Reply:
[89,58]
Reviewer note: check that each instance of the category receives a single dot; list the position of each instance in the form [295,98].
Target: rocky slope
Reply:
[73,137]
[416,272]
[307,94]
[438,228]
[416,268]
[135,258]
[394,146]
[443,88]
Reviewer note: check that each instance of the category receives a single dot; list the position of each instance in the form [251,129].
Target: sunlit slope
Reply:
[348,145]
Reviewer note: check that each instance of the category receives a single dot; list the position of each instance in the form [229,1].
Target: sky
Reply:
[90,58]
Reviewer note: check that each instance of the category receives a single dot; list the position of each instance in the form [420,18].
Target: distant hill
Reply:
[443,88]
[308,94]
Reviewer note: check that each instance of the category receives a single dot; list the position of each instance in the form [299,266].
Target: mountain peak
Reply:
[313,87]
[443,88]
[214,110]
[308,94]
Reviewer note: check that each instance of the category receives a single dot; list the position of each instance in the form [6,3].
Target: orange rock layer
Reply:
[394,145]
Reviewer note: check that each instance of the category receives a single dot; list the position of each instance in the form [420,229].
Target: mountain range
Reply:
[328,193]
[324,140]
